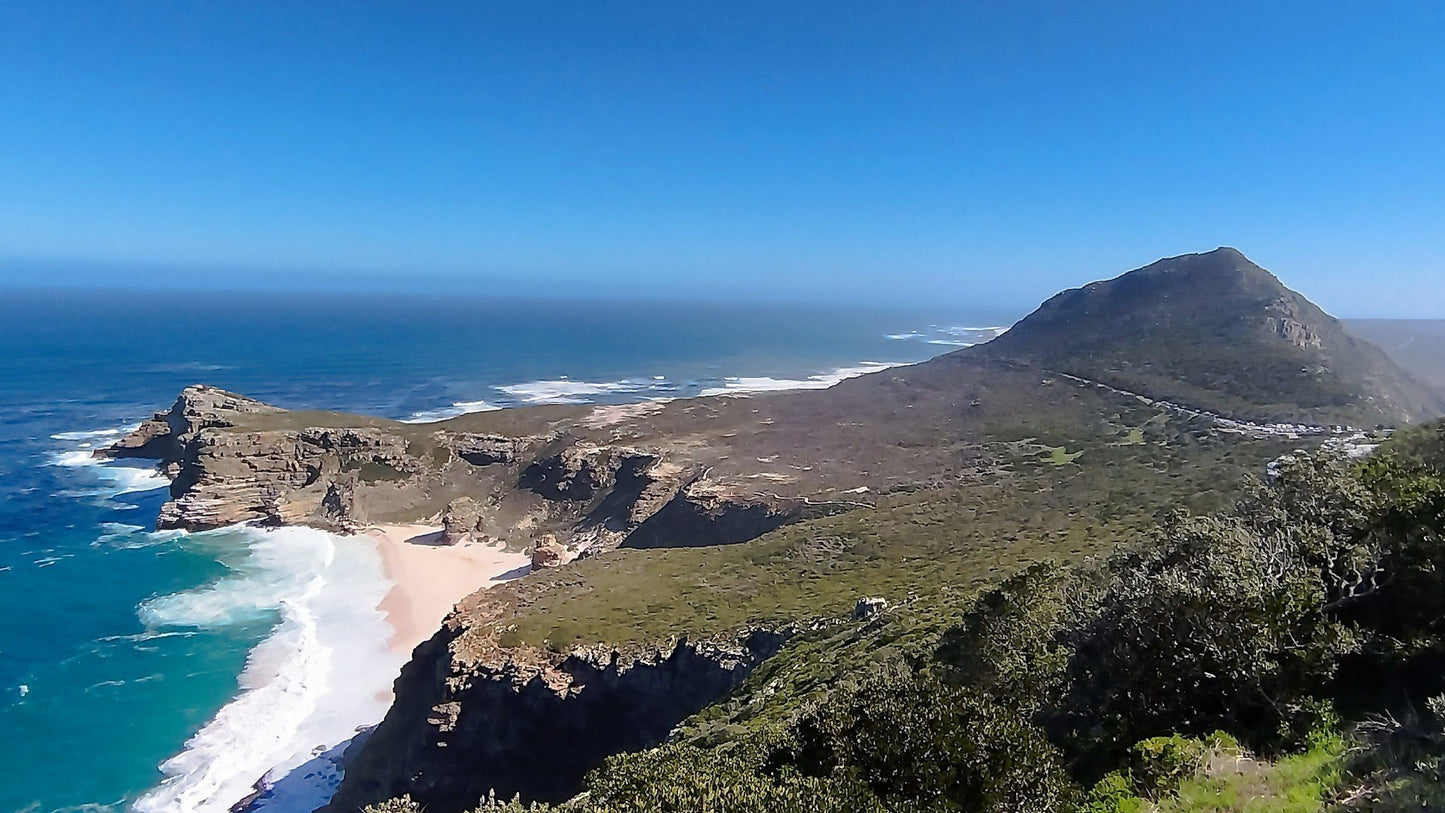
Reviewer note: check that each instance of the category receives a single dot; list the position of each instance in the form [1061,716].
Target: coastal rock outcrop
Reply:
[703,513]
[574,474]
[233,459]
[548,552]
[489,450]
[459,521]
[318,477]
[163,436]
[472,717]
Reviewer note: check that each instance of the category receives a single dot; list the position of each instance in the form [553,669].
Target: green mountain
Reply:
[1216,332]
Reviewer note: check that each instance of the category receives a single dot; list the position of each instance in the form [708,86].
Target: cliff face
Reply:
[233,459]
[225,471]
[472,716]
[165,435]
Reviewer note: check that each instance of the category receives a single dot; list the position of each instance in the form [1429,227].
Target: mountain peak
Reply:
[1216,331]
[1223,265]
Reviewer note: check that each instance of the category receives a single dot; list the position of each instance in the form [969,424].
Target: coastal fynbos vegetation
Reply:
[1284,654]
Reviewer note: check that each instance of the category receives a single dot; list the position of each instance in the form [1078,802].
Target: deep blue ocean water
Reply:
[101,680]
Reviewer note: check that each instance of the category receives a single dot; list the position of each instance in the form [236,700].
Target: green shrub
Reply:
[1008,643]
[1212,626]
[1113,794]
[687,779]
[1161,764]
[916,741]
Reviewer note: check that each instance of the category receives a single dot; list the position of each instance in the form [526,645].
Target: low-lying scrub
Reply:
[1284,655]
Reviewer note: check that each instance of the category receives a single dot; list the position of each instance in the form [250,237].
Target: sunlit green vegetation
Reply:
[1283,654]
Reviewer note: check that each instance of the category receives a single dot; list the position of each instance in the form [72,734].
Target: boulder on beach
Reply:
[548,553]
[459,521]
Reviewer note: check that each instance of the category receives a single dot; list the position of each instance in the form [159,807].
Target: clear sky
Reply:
[988,152]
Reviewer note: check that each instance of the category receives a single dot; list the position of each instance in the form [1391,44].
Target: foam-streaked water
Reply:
[168,671]
[324,668]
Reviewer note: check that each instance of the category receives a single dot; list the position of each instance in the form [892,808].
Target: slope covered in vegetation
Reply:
[1284,654]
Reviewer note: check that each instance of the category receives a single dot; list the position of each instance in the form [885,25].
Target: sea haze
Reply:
[126,649]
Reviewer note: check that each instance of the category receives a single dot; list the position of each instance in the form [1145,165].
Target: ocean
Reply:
[170,671]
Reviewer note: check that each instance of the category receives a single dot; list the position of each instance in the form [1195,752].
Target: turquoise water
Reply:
[102,677]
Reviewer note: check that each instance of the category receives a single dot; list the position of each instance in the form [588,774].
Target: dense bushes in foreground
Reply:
[1287,655]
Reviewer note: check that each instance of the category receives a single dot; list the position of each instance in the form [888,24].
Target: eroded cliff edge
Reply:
[587,478]
[473,716]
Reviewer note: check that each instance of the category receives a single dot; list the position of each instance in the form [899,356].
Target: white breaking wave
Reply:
[96,434]
[742,385]
[950,335]
[455,410]
[323,672]
[567,391]
[561,391]
[656,388]
[121,536]
[116,477]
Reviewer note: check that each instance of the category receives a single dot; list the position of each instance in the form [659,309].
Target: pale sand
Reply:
[431,578]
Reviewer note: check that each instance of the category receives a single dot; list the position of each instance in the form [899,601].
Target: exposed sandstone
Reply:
[575,474]
[548,552]
[198,407]
[233,459]
[459,521]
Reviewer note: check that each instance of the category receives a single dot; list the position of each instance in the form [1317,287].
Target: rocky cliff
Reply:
[233,459]
[473,716]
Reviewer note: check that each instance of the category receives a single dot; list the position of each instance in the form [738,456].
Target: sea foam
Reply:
[950,335]
[115,477]
[743,385]
[455,410]
[323,673]
[659,388]
[567,391]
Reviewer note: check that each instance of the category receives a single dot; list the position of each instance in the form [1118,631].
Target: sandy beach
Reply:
[430,578]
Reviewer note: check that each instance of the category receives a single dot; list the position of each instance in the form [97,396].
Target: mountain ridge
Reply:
[1216,331]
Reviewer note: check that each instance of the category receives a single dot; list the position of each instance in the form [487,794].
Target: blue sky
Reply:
[973,152]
